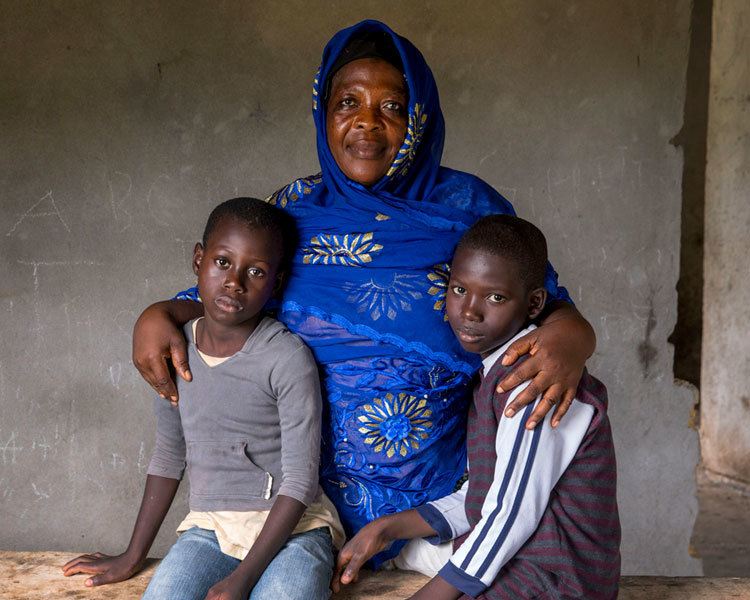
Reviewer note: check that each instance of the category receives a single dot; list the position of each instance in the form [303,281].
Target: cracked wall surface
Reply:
[123,124]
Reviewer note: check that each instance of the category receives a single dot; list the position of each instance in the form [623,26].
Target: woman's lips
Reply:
[366,149]
[227,304]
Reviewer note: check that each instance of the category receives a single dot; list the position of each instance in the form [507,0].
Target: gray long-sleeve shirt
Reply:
[248,429]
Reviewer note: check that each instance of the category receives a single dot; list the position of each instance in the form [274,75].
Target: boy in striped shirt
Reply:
[538,516]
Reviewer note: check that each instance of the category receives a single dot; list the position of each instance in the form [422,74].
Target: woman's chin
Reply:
[366,176]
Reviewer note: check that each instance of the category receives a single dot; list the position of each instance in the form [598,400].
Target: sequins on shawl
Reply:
[395,424]
[295,190]
[439,277]
[350,250]
[315,90]
[414,133]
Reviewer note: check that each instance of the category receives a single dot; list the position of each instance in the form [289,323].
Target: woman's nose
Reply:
[369,117]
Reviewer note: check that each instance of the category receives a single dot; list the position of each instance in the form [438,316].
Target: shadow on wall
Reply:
[686,336]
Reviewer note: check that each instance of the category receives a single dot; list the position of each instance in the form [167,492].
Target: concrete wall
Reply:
[725,402]
[124,123]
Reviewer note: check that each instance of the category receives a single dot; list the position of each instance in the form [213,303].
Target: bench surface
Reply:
[27,575]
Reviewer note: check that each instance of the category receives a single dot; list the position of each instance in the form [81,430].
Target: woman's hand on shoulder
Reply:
[558,352]
[106,569]
[158,340]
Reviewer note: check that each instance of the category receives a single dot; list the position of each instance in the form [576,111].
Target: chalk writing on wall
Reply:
[45,207]
[120,189]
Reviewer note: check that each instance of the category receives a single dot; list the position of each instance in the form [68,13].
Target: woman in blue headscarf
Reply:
[377,227]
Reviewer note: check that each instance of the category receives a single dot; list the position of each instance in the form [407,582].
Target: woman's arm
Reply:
[282,519]
[158,339]
[157,498]
[559,349]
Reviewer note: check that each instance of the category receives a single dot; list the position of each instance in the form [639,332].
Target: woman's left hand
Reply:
[558,352]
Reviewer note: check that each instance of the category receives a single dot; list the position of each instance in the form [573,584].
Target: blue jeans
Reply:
[301,570]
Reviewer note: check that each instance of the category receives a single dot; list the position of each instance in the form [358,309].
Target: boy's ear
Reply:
[280,276]
[537,298]
[197,257]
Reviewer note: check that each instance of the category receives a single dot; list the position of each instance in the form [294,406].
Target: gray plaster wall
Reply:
[124,123]
[725,404]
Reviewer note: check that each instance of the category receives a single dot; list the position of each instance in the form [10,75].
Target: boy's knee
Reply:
[309,556]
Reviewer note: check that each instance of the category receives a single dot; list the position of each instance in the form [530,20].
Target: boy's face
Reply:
[487,301]
[238,271]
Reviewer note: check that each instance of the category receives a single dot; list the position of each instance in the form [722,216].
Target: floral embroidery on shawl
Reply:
[395,424]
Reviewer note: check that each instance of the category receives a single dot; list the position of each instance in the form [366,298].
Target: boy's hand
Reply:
[108,569]
[229,588]
[370,540]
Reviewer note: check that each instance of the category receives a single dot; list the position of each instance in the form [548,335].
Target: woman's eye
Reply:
[496,298]
[394,106]
[347,102]
[222,262]
[458,290]
[255,272]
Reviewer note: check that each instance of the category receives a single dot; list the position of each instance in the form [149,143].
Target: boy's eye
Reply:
[255,272]
[458,290]
[222,262]
[496,298]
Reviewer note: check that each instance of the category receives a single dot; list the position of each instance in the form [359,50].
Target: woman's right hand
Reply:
[107,569]
[158,340]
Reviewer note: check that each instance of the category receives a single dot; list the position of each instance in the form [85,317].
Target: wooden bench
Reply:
[35,575]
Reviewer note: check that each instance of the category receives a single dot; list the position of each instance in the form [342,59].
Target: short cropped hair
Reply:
[514,239]
[256,214]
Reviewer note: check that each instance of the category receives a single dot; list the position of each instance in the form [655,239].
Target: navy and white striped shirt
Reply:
[516,477]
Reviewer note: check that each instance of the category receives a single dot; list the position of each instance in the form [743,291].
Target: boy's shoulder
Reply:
[492,364]
[593,392]
[275,336]
[270,352]
[269,335]
[280,353]
[590,390]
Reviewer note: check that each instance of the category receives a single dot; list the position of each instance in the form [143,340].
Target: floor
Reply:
[36,575]
[721,536]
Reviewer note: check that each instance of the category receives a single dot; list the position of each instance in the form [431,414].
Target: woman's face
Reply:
[366,118]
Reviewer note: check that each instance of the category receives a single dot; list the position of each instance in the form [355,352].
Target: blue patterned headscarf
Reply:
[415,170]
[367,294]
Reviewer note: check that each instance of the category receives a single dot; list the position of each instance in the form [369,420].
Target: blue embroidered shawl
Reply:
[367,294]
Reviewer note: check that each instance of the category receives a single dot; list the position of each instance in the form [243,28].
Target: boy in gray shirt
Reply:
[248,430]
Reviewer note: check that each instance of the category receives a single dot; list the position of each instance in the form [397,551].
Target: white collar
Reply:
[489,362]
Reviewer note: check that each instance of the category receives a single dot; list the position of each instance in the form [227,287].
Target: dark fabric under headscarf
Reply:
[367,294]
[370,44]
